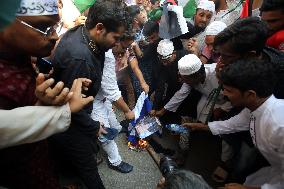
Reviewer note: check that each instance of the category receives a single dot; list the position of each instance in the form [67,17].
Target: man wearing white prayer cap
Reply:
[36,21]
[202,78]
[166,52]
[208,55]
[31,34]
[215,27]
[168,80]
[204,12]
[195,77]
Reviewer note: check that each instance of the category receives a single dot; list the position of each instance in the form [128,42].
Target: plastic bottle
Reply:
[177,128]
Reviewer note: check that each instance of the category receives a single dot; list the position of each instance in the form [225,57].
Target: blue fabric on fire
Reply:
[144,102]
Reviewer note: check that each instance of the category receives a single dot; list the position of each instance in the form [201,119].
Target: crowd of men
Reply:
[63,68]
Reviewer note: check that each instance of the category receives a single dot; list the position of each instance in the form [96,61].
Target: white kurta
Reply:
[32,123]
[266,125]
[102,106]
[108,93]
[210,83]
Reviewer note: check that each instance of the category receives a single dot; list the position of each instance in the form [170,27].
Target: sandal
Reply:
[219,175]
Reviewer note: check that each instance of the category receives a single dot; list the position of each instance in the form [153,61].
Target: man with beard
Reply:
[37,38]
[202,78]
[208,55]
[204,12]
[81,53]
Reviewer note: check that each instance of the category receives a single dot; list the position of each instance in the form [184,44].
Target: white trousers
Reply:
[102,111]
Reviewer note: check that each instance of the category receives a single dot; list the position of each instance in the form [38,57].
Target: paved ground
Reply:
[145,174]
[202,158]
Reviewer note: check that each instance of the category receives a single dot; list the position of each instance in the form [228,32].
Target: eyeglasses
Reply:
[47,32]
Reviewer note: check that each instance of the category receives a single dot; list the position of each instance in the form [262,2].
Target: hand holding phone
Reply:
[44,66]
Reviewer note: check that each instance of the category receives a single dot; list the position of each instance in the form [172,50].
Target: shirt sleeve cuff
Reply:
[66,117]
[213,128]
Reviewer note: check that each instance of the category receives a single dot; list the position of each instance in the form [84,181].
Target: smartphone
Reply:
[44,66]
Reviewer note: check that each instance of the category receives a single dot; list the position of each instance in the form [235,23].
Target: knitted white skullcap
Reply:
[206,5]
[215,27]
[165,47]
[37,8]
[189,64]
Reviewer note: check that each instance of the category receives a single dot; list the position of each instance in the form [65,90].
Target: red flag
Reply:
[245,10]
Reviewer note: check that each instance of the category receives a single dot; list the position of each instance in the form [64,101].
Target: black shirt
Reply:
[74,58]
[168,80]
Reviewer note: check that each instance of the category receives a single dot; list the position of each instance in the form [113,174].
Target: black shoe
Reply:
[123,167]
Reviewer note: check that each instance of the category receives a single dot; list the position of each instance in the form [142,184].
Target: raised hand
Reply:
[51,96]
[192,46]
[78,100]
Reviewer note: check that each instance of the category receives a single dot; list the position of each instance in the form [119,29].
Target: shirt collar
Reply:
[264,106]
[92,44]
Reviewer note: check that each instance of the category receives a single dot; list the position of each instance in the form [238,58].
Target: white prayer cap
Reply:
[189,64]
[37,8]
[206,5]
[215,27]
[165,47]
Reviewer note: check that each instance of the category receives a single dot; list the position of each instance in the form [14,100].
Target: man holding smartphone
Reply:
[31,34]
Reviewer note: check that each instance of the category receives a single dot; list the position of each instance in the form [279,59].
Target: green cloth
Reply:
[189,9]
[8,11]
[155,14]
[83,5]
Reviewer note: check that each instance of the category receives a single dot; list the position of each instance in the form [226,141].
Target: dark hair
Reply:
[184,179]
[150,27]
[111,13]
[133,10]
[250,74]
[245,35]
[154,1]
[271,5]
[128,35]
